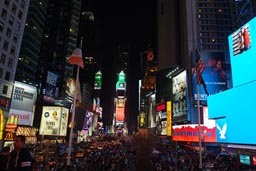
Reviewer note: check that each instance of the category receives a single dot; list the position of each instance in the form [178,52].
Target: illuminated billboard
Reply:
[214,76]
[54,121]
[189,132]
[180,97]
[50,90]
[120,106]
[234,112]
[98,80]
[242,45]
[23,103]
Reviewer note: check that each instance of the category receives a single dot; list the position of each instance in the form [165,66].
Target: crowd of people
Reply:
[112,153]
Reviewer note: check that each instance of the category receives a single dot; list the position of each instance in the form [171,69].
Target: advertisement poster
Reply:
[64,121]
[214,76]
[179,92]
[23,102]
[51,89]
[242,53]
[54,121]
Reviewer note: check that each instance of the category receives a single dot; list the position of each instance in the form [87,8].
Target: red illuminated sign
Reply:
[190,133]
[161,107]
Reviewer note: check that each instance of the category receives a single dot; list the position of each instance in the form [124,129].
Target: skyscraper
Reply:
[12,23]
[31,42]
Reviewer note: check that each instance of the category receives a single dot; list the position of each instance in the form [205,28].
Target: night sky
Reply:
[125,22]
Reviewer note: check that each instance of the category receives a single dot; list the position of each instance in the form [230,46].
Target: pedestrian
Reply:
[4,155]
[20,158]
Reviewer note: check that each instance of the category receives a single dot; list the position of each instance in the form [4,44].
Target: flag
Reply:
[199,71]
[76,58]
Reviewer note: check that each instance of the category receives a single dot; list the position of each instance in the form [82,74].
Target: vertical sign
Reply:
[169,118]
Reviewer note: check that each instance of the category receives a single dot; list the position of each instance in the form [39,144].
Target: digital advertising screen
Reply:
[245,159]
[51,90]
[242,49]
[54,121]
[234,113]
[214,76]
[23,103]
[180,97]
[189,132]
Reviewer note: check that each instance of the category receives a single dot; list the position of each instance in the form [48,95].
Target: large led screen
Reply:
[214,76]
[242,49]
[234,111]
[180,97]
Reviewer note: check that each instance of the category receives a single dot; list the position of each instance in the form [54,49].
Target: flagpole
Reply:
[199,128]
[72,119]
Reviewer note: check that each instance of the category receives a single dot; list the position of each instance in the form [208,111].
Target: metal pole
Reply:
[199,128]
[72,119]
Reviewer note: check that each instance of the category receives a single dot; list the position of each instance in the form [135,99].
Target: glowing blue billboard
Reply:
[234,111]
[242,44]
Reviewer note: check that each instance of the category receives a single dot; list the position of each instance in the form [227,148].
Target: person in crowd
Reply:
[20,158]
[4,154]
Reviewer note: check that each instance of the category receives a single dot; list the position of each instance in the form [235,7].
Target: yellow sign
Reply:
[1,124]
[9,136]
[169,118]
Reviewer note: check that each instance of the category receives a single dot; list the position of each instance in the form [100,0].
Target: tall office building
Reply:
[183,27]
[60,38]
[12,23]
[31,42]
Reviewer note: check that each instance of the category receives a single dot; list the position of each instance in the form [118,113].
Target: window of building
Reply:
[7,2]
[2,58]
[1,72]
[11,20]
[17,26]
[20,14]
[5,89]
[14,8]
[12,51]
[7,76]
[8,32]
[10,62]
[15,38]
[22,3]
[6,45]
[1,26]
[4,14]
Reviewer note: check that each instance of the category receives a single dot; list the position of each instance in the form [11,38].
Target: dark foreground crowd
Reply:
[118,154]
